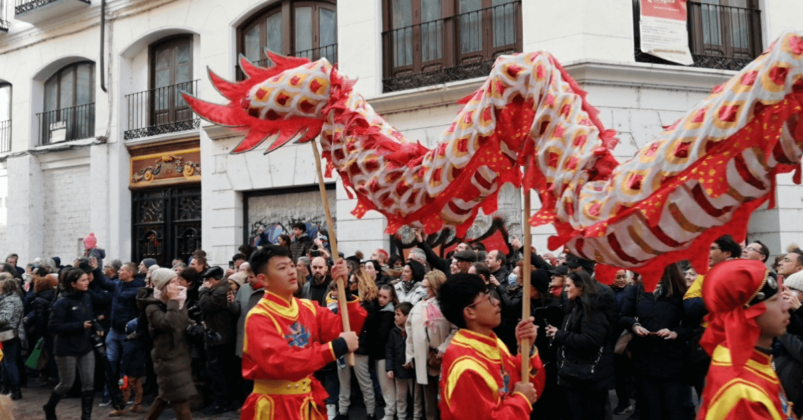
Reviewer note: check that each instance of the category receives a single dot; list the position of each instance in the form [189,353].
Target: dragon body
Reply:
[701,178]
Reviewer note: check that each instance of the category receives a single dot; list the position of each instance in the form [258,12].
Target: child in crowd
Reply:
[132,365]
[395,354]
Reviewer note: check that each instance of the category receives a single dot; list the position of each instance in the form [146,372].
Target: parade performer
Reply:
[479,377]
[288,339]
[746,313]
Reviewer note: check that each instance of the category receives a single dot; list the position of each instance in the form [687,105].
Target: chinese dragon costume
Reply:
[699,179]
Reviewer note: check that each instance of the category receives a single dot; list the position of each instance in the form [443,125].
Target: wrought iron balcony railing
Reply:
[66,124]
[454,48]
[5,136]
[23,6]
[161,110]
[329,52]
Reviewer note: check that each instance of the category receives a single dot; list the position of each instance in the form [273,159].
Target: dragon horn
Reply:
[248,68]
[253,139]
[226,89]
[218,114]
[285,62]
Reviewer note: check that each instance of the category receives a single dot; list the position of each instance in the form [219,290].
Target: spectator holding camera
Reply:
[216,316]
[165,309]
[71,322]
[301,242]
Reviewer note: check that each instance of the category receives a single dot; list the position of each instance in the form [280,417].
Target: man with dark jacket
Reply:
[497,263]
[317,288]
[216,316]
[301,242]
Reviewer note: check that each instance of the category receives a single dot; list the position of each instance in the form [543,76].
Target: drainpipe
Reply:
[102,45]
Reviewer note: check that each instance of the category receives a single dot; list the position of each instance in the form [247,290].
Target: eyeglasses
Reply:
[754,250]
[488,296]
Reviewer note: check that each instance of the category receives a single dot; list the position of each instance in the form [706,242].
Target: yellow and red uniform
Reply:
[284,344]
[753,393]
[477,378]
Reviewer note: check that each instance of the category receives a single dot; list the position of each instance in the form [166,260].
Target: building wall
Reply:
[66,210]
[594,40]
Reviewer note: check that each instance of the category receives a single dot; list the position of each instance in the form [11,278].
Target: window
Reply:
[723,34]
[298,28]
[69,105]
[436,41]
[5,117]
[171,73]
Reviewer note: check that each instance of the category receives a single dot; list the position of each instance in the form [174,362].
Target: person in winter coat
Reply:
[167,320]
[374,270]
[428,331]
[71,322]
[659,343]
[92,250]
[396,367]
[301,242]
[215,314]
[132,366]
[409,288]
[44,293]
[788,361]
[247,297]
[581,342]
[368,349]
[10,325]
[100,297]
[386,314]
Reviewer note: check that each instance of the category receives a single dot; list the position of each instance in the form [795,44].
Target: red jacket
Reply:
[477,379]
[284,344]
[751,394]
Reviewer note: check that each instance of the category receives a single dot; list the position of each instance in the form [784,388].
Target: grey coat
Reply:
[171,352]
[10,312]
[247,297]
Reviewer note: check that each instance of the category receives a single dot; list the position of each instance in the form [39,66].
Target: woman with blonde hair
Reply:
[368,294]
[428,333]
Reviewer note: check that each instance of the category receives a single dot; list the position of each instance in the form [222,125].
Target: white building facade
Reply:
[100,141]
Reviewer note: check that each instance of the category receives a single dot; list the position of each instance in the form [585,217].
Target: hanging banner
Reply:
[664,33]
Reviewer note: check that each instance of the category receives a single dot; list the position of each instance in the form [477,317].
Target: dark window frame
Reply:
[287,10]
[58,74]
[173,110]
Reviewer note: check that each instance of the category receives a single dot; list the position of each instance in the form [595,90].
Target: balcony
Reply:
[5,136]
[454,48]
[720,37]
[35,11]
[329,52]
[66,124]
[161,111]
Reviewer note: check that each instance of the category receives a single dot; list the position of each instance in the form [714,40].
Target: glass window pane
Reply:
[328,34]
[402,34]
[183,74]
[5,103]
[504,21]
[470,26]
[711,26]
[84,89]
[163,58]
[274,34]
[183,53]
[252,49]
[303,23]
[67,88]
[52,94]
[431,30]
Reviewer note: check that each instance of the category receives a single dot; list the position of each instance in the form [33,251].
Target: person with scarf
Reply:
[288,339]
[428,336]
[746,313]
[409,289]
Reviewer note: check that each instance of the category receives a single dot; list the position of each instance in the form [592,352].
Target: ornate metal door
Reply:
[166,224]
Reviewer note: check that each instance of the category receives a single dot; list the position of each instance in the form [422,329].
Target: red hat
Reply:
[734,292]
[90,241]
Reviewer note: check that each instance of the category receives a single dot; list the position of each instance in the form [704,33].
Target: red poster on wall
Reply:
[664,32]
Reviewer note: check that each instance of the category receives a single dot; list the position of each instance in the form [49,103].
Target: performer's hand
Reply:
[341,271]
[352,340]
[526,330]
[390,374]
[640,331]
[528,390]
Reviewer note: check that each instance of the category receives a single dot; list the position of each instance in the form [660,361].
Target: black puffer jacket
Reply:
[370,329]
[215,311]
[395,354]
[41,307]
[385,324]
[579,341]
[655,356]
[67,319]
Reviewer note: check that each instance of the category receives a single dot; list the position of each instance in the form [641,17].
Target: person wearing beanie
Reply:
[167,317]
[288,339]
[746,313]
[146,264]
[92,250]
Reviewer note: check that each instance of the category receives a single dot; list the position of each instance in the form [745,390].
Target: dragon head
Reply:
[284,101]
